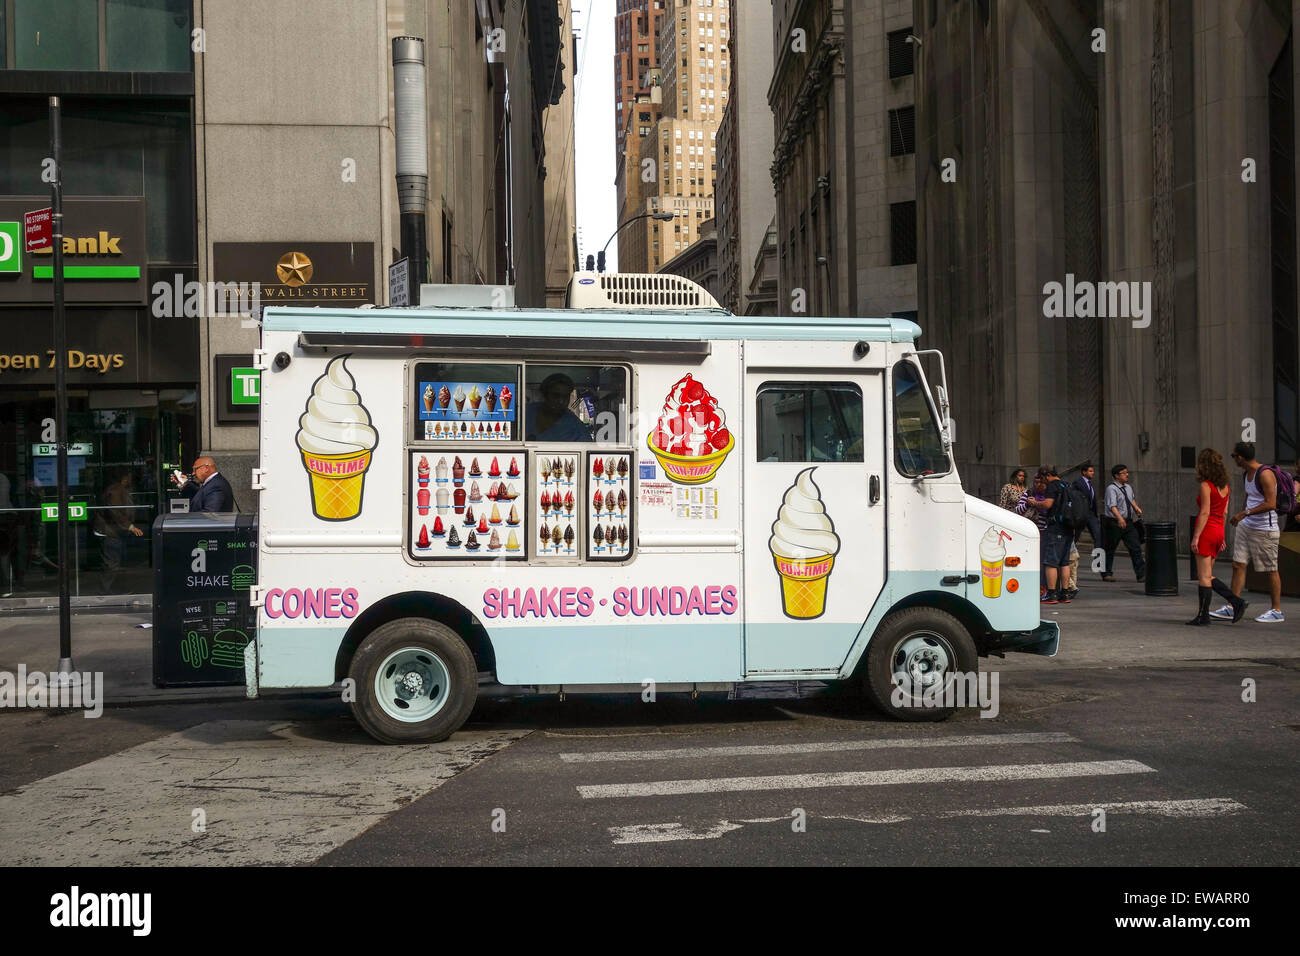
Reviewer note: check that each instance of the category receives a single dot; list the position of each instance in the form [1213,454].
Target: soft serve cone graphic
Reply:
[336,439]
[803,546]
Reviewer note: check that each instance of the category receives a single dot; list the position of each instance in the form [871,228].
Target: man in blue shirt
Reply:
[551,419]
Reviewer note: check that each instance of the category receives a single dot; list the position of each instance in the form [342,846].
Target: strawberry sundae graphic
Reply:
[691,439]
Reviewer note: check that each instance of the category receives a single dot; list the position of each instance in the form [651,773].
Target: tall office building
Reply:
[842,95]
[694,74]
[744,198]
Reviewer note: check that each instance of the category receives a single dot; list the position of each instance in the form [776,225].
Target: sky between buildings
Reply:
[594,137]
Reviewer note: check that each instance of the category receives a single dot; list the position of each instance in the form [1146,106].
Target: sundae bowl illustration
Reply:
[690,440]
[336,439]
[803,546]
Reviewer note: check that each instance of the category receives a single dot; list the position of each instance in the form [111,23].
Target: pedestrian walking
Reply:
[1208,537]
[1256,538]
[207,488]
[1123,520]
[1084,483]
[1011,493]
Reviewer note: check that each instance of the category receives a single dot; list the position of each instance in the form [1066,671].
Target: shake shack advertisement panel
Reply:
[204,565]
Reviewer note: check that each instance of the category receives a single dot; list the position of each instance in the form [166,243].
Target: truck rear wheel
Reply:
[415,682]
[912,661]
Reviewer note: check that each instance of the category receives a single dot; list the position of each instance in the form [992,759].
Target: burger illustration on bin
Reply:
[691,440]
[336,439]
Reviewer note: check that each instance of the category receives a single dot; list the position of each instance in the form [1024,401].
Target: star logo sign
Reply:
[294,269]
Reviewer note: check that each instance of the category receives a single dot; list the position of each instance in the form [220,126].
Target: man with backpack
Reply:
[1270,497]
[1057,534]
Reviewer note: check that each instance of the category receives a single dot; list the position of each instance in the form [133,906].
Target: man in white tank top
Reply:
[1257,532]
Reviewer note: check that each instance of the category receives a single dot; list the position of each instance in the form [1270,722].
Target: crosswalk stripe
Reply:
[675,831]
[270,792]
[772,750]
[866,778]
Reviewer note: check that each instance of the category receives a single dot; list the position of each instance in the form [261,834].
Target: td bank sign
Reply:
[103,253]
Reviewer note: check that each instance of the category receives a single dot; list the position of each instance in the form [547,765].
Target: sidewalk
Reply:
[1109,625]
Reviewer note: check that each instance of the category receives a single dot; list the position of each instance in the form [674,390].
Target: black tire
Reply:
[443,644]
[949,640]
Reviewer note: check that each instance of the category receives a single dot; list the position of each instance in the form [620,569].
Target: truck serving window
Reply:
[918,448]
[802,422]
[576,403]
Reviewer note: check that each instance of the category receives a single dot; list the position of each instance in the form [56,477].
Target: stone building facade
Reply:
[1166,160]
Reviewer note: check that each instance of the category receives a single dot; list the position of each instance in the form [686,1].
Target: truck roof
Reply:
[586,323]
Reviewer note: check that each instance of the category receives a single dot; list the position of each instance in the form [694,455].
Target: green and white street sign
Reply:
[76,511]
[11,247]
[75,448]
[245,386]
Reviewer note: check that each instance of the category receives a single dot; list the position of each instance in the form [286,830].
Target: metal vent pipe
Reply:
[411,115]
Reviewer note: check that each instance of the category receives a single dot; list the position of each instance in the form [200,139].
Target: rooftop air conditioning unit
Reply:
[652,292]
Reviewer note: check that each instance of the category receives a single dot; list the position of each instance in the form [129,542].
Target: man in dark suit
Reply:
[207,488]
[1084,483]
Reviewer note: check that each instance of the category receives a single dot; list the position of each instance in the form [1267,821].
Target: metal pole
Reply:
[60,394]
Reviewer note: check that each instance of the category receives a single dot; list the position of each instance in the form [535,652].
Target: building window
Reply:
[139,35]
[901,62]
[902,233]
[902,131]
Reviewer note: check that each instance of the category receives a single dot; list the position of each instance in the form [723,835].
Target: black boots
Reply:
[1203,614]
[1238,604]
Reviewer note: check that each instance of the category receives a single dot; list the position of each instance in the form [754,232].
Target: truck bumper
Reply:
[1045,639]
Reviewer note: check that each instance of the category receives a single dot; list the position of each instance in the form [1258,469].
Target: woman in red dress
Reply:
[1207,537]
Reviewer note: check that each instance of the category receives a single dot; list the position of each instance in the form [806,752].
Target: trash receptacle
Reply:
[203,566]
[1162,557]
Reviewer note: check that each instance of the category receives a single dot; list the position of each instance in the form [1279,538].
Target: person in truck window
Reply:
[551,419]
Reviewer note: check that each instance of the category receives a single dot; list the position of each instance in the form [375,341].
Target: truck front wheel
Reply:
[913,661]
[415,682]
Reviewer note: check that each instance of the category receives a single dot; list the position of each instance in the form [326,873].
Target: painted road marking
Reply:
[774,750]
[1184,809]
[271,792]
[867,778]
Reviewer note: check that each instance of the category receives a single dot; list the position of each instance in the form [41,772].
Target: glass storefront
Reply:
[123,444]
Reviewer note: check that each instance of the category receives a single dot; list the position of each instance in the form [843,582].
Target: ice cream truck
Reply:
[638,492]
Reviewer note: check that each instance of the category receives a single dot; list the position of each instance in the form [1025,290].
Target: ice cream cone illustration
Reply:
[993,555]
[803,546]
[444,398]
[475,398]
[458,397]
[427,397]
[506,396]
[336,438]
[490,398]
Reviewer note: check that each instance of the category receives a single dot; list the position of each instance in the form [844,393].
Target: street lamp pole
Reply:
[661,216]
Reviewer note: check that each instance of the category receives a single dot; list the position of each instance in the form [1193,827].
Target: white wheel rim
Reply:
[412,684]
[921,662]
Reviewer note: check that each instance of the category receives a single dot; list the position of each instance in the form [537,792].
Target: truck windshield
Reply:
[918,447]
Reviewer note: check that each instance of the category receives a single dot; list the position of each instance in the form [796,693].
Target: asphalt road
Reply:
[1187,772]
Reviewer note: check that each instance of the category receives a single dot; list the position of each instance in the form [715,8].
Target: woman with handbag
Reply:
[1208,536]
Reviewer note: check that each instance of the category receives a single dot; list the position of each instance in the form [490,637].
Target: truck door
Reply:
[814,514]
